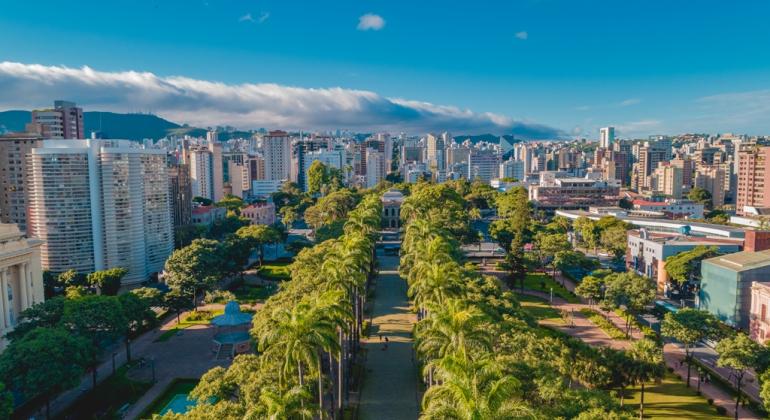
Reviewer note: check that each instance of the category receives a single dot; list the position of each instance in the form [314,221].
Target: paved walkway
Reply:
[390,386]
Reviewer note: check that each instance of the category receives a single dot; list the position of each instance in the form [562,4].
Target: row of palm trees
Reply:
[483,356]
[307,334]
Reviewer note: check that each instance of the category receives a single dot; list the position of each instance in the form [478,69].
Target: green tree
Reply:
[6,402]
[138,316]
[699,195]
[590,288]
[72,278]
[44,362]
[740,354]
[289,404]
[232,203]
[98,319]
[107,281]
[454,328]
[630,291]
[47,314]
[150,295]
[177,302]
[614,240]
[516,265]
[258,236]
[472,389]
[685,266]
[689,327]
[648,365]
[317,176]
[588,232]
[194,268]
[549,245]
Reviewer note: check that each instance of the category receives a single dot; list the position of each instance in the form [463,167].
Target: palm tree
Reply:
[298,336]
[454,328]
[647,359]
[473,390]
[290,404]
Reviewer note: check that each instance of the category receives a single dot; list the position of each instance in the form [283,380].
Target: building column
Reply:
[4,299]
[28,285]
[23,286]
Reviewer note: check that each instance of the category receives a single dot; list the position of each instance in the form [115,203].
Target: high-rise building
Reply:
[276,149]
[100,204]
[330,158]
[180,194]
[256,167]
[649,157]
[712,179]
[63,121]
[606,137]
[13,177]
[667,180]
[753,170]
[217,168]
[483,164]
[688,169]
[436,149]
[512,169]
[201,172]
[240,180]
[375,167]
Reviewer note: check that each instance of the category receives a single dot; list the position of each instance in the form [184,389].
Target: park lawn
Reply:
[107,398]
[278,270]
[671,400]
[534,280]
[187,323]
[177,386]
[540,309]
[248,294]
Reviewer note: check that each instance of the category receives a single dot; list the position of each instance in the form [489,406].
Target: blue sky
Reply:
[645,66]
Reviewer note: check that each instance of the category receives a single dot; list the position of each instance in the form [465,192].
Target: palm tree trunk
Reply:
[738,397]
[641,403]
[320,391]
[299,368]
[689,363]
[128,349]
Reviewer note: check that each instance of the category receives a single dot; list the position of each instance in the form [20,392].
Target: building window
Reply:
[763,312]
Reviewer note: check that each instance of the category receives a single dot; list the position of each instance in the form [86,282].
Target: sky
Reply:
[536,68]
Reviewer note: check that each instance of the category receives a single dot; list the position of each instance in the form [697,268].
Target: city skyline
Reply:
[545,68]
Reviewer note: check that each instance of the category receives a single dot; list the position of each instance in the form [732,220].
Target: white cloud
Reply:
[263,17]
[370,21]
[641,127]
[523,35]
[246,18]
[248,105]
[630,101]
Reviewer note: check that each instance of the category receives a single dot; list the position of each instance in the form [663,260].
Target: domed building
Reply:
[391,209]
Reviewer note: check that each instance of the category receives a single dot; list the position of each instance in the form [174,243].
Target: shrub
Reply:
[198,316]
[219,296]
[721,410]
[670,369]
[710,401]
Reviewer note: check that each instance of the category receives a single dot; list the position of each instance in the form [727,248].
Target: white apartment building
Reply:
[330,158]
[375,167]
[201,173]
[483,164]
[512,169]
[276,149]
[100,204]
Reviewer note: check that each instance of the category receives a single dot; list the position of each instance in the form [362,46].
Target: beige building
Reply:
[753,188]
[21,277]
[712,179]
[667,180]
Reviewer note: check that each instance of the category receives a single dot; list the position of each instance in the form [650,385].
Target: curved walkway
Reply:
[390,385]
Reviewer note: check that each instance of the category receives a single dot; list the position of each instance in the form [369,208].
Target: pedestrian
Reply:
[380,336]
[386,341]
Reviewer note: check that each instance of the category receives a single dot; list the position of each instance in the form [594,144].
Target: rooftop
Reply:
[741,261]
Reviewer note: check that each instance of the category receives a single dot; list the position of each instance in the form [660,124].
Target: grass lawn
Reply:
[188,320]
[540,309]
[105,401]
[248,294]
[533,281]
[278,270]
[177,386]
[671,400]
[600,321]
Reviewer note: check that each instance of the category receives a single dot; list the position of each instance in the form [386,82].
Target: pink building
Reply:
[260,213]
[759,320]
[207,215]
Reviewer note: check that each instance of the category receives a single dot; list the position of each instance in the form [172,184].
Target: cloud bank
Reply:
[370,21]
[249,105]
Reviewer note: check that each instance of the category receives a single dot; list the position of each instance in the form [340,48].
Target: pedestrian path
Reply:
[390,384]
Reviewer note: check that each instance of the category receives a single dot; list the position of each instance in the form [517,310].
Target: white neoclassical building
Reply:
[21,278]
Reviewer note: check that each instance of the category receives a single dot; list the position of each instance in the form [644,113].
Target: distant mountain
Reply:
[489,138]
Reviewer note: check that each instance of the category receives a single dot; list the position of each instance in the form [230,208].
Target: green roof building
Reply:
[726,285]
